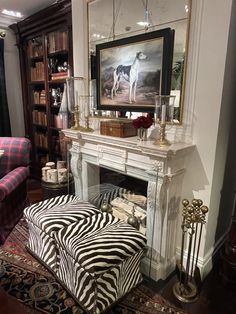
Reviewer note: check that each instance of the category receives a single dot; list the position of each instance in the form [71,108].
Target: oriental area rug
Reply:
[24,278]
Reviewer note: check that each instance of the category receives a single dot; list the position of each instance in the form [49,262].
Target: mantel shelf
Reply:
[131,143]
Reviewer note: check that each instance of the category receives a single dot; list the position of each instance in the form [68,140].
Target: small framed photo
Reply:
[133,70]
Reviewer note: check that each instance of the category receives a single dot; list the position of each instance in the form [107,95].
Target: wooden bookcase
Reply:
[45,49]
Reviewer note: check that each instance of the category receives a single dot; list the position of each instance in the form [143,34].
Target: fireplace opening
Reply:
[131,184]
[126,195]
[122,195]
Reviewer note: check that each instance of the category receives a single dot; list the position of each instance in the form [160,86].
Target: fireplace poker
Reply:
[197,218]
[181,275]
[194,249]
[197,273]
[189,255]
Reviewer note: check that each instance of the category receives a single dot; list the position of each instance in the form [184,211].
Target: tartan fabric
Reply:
[12,180]
[14,172]
[11,210]
[16,153]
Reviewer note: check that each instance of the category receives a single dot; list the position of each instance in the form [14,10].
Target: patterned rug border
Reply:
[14,250]
[29,265]
[33,296]
[145,294]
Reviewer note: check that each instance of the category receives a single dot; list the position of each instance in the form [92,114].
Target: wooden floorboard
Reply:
[214,297]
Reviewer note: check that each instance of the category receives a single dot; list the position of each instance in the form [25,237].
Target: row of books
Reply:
[41,140]
[39,97]
[59,75]
[39,117]
[37,72]
[35,48]
[57,41]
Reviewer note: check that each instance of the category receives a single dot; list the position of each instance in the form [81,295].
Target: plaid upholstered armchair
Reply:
[14,172]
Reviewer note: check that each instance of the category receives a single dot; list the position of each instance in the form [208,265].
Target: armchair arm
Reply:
[12,180]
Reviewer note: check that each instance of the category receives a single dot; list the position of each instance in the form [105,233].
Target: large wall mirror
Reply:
[116,19]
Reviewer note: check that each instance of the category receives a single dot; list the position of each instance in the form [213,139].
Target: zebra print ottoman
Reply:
[99,260]
[46,218]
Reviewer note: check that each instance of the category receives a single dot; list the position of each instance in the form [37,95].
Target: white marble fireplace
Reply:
[163,170]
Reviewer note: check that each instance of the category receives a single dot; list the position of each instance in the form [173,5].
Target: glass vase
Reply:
[164,109]
[142,134]
[75,87]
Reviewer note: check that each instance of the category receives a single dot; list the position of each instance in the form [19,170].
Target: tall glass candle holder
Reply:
[86,104]
[75,87]
[164,113]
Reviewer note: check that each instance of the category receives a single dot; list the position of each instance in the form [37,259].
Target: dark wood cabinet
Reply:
[45,49]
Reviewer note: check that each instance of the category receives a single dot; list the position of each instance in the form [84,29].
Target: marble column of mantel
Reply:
[162,168]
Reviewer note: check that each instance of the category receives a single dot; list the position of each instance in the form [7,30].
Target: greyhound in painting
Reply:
[130,73]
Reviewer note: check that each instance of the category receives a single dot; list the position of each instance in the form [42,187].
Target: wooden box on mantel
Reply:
[118,128]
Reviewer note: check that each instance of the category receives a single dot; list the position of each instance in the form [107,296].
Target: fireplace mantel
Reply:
[162,168]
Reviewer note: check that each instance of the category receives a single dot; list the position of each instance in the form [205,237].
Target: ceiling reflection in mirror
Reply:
[112,20]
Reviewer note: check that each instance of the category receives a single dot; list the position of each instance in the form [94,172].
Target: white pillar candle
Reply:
[163,114]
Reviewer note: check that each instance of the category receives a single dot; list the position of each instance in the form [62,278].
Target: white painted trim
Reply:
[6,20]
[205,263]
[192,68]
[184,132]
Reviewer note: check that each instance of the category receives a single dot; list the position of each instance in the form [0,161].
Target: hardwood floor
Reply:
[34,191]
[214,298]
[10,305]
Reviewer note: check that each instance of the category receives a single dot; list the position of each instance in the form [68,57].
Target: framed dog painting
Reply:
[131,71]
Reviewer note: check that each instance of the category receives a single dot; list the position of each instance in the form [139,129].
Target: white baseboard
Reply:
[205,263]
[157,270]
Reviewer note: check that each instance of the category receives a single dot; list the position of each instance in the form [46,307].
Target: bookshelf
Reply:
[45,49]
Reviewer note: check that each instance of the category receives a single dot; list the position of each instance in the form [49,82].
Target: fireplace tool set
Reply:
[189,277]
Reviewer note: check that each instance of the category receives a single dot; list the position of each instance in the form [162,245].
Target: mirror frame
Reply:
[183,84]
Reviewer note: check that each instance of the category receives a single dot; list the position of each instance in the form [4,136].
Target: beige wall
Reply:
[227,148]
[80,43]
[210,114]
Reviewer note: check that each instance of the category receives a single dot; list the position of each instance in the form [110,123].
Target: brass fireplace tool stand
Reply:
[189,279]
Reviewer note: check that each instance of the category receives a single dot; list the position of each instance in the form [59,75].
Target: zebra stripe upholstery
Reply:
[93,254]
[102,256]
[48,216]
